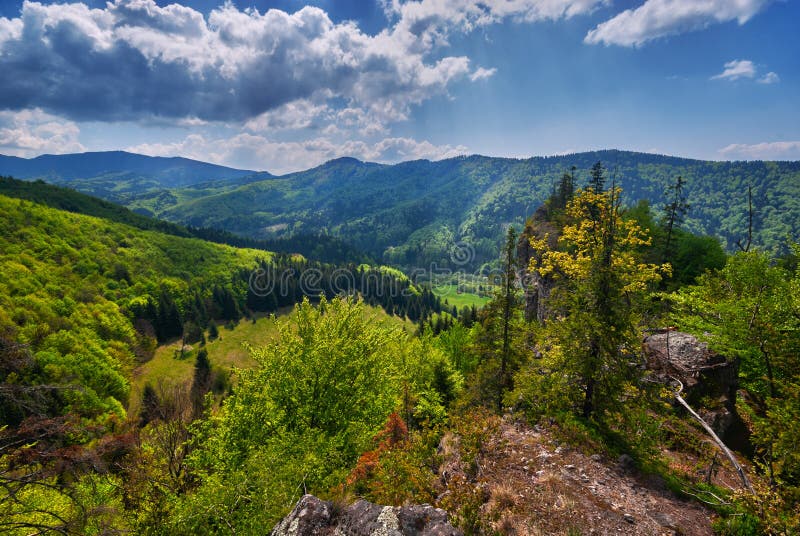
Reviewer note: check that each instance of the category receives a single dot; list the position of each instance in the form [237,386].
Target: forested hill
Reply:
[322,248]
[172,171]
[121,176]
[414,212]
[83,299]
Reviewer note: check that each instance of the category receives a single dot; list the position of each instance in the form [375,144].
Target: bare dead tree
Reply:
[725,450]
[746,247]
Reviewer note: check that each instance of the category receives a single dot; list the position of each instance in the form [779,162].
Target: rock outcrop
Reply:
[537,288]
[709,380]
[315,517]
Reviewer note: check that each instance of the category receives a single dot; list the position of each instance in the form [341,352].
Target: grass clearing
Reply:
[450,293]
[227,351]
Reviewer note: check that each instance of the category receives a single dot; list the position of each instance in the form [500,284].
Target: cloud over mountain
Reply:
[33,132]
[134,59]
[252,150]
[775,150]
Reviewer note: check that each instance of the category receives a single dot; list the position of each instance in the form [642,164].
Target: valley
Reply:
[208,371]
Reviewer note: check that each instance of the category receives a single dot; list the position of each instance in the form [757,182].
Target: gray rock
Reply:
[315,517]
[705,375]
[626,463]
[663,519]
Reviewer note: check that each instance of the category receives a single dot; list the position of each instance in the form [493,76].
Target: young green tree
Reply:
[750,309]
[500,332]
[299,420]
[600,284]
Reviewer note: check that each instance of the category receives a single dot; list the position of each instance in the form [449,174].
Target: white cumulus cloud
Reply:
[481,73]
[133,58]
[775,150]
[33,132]
[661,18]
[769,78]
[736,69]
[251,151]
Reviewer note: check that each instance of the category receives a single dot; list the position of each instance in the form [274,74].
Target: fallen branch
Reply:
[717,440]
[719,502]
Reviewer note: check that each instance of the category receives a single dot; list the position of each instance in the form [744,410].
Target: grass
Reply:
[450,293]
[227,351]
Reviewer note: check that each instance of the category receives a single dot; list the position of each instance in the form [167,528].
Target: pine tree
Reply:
[213,331]
[597,180]
[501,326]
[150,405]
[674,212]
[201,382]
[168,318]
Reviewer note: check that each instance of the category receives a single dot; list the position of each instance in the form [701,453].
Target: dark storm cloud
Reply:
[135,59]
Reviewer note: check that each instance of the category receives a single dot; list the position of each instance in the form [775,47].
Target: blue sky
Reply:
[285,85]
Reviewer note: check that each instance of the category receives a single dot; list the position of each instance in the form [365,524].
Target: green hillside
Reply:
[413,213]
[320,247]
[69,284]
[83,299]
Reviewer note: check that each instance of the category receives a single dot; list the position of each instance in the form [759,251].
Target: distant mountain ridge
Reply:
[414,213]
[120,176]
[175,171]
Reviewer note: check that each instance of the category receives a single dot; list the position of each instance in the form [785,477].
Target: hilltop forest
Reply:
[411,214]
[411,408]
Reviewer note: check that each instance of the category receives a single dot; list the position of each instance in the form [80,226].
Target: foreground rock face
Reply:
[315,517]
[536,287]
[709,380]
[704,373]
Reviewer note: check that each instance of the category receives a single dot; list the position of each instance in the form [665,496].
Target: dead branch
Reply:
[717,440]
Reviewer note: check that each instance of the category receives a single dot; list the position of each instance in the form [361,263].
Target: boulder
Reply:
[315,517]
[709,380]
[703,372]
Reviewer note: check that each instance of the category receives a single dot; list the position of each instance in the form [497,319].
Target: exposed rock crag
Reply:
[709,380]
[315,517]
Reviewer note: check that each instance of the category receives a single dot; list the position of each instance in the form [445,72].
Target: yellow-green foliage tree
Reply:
[591,341]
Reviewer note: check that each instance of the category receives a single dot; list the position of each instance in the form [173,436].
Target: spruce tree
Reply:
[597,180]
[600,285]
[201,382]
[500,331]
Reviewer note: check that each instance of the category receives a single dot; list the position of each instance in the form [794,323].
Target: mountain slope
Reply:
[414,213]
[70,287]
[173,171]
[121,176]
[322,248]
